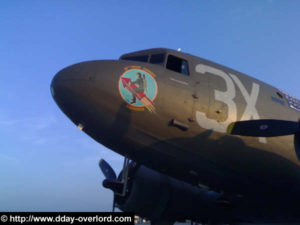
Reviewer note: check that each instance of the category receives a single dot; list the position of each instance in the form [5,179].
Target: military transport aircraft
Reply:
[201,141]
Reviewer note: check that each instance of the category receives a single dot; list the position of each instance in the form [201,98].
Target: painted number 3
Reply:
[227,98]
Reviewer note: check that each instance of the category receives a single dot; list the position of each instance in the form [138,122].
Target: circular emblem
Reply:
[138,88]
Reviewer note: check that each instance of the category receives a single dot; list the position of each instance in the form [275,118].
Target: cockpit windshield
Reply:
[158,58]
[140,58]
[171,62]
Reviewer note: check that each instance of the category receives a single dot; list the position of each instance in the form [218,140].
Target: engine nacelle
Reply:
[156,196]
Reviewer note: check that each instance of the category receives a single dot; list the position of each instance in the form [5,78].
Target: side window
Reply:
[293,102]
[178,65]
[157,59]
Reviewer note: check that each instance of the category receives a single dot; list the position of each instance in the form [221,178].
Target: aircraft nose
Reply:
[87,90]
[69,88]
[63,82]
[64,78]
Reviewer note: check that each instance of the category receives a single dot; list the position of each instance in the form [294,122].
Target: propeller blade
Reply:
[106,169]
[114,185]
[263,128]
[111,181]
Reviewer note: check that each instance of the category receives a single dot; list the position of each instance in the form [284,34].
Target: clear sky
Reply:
[46,163]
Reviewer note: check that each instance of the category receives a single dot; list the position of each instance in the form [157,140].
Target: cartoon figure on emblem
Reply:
[141,86]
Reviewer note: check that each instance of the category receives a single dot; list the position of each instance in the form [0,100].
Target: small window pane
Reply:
[178,65]
[140,58]
[184,67]
[157,59]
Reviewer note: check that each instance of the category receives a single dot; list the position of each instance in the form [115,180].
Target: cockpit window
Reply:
[140,58]
[157,58]
[178,65]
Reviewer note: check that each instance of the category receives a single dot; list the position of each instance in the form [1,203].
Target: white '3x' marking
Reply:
[227,97]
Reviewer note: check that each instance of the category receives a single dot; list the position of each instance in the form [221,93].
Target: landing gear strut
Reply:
[124,179]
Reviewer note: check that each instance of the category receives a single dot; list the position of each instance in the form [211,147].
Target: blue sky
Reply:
[46,163]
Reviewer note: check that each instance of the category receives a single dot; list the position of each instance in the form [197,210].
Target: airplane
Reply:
[201,142]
